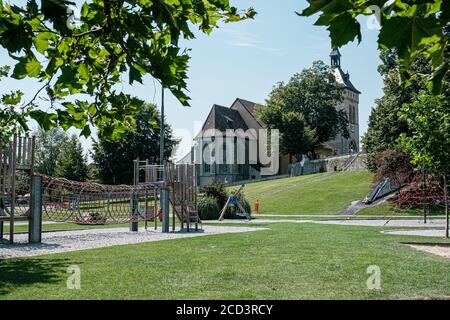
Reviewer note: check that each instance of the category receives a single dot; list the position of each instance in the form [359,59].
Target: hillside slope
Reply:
[323,193]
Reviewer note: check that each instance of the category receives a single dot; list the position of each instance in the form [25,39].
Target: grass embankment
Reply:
[322,193]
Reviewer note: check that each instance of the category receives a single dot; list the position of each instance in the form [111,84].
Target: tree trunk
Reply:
[446,206]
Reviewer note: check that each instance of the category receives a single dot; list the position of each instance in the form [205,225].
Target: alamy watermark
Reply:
[374,280]
[239,147]
[74,279]
[374,21]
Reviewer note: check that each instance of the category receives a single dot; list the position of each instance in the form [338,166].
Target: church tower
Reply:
[340,145]
[335,56]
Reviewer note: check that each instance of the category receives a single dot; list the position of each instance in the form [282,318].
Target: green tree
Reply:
[48,147]
[71,162]
[385,124]
[428,119]
[411,27]
[89,56]
[297,138]
[304,109]
[114,159]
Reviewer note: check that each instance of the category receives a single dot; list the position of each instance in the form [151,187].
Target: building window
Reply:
[224,152]
[207,168]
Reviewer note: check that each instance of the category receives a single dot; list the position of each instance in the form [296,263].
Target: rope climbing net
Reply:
[93,203]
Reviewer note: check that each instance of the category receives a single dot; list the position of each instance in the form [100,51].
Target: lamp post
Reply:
[164,196]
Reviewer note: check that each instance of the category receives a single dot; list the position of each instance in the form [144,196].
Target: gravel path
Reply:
[297,215]
[64,241]
[242,221]
[439,250]
[423,233]
[388,223]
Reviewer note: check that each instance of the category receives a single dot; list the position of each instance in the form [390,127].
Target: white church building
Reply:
[241,116]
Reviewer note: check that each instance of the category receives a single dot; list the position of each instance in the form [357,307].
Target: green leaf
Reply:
[83,72]
[13,98]
[135,74]
[335,6]
[343,29]
[28,66]
[41,41]
[435,84]
[86,132]
[409,34]
[45,120]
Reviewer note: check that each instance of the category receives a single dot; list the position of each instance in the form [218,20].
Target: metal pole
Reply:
[13,189]
[161,133]
[35,224]
[164,191]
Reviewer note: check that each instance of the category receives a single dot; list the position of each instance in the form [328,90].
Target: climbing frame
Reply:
[16,170]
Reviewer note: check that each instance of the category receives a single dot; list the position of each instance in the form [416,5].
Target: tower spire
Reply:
[335,56]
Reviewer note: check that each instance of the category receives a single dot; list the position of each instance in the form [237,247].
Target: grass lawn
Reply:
[291,261]
[387,209]
[312,194]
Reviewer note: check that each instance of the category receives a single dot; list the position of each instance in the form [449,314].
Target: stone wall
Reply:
[355,162]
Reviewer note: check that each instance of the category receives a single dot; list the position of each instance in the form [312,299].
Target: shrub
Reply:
[216,191]
[208,208]
[393,164]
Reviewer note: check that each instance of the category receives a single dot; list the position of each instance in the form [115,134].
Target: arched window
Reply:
[352,146]
[350,113]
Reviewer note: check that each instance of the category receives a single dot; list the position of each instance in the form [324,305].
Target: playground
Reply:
[116,232]
[27,196]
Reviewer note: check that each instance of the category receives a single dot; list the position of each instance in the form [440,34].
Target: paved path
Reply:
[387,223]
[64,241]
[410,223]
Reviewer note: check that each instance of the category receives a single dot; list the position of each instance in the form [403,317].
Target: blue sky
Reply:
[245,59]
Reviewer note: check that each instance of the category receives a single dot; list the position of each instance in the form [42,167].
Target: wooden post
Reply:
[134,221]
[35,224]
[136,172]
[446,207]
[146,208]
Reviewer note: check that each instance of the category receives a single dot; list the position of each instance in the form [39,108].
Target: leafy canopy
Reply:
[412,27]
[72,163]
[114,159]
[304,110]
[428,118]
[385,121]
[112,40]
[49,144]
